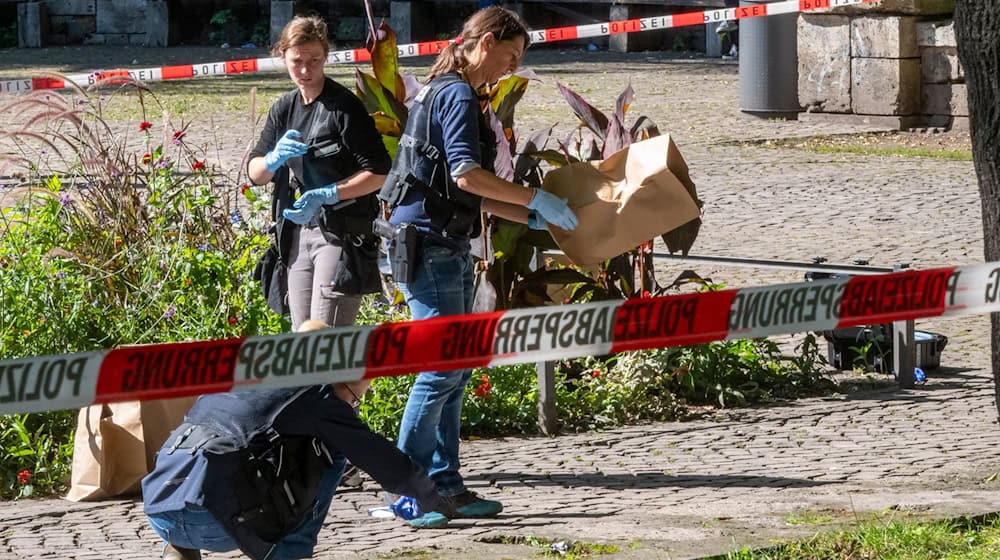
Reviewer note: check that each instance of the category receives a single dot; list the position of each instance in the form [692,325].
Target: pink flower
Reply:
[145,125]
[197,165]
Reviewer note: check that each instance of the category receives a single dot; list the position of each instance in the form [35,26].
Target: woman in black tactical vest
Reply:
[439,184]
[320,142]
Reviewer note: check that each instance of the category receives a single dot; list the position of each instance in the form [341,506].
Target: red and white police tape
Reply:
[488,339]
[550,35]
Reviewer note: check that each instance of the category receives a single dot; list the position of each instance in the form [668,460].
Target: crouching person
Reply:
[257,470]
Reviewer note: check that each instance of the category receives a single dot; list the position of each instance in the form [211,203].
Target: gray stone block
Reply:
[121,17]
[946,99]
[157,23]
[75,28]
[940,65]
[884,37]
[32,24]
[907,7]
[281,14]
[115,38]
[938,33]
[406,19]
[885,86]
[72,8]
[351,29]
[824,63]
[94,39]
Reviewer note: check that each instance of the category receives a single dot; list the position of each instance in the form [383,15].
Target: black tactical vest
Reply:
[419,164]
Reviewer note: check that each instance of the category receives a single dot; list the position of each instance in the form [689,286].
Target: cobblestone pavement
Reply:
[683,490]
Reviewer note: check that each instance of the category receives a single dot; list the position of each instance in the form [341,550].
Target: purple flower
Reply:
[203,247]
[235,217]
[60,275]
[64,200]
[169,312]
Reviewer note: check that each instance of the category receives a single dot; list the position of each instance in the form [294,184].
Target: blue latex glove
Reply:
[536,222]
[553,209]
[308,205]
[286,148]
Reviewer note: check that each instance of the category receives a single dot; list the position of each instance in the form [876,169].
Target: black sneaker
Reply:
[470,504]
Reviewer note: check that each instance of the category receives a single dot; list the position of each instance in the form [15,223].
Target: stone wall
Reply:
[894,63]
[101,22]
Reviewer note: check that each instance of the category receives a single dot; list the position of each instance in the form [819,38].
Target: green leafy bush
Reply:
[101,246]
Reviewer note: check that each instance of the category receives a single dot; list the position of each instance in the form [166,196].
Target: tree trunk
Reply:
[977,29]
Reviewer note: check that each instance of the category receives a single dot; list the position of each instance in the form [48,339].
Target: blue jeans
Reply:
[195,527]
[429,432]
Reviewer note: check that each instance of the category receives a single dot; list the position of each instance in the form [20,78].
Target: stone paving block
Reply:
[940,65]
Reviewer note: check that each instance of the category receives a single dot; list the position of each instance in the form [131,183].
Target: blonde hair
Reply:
[504,24]
[299,31]
[312,325]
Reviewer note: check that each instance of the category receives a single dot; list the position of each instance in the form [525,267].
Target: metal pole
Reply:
[904,352]
[790,265]
[546,371]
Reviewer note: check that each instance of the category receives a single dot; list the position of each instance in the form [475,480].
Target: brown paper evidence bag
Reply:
[638,193]
[115,445]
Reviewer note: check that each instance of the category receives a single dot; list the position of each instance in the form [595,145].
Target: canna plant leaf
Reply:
[378,99]
[385,62]
[595,120]
[504,97]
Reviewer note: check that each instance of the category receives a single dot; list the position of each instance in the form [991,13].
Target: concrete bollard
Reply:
[31,24]
[157,23]
[281,13]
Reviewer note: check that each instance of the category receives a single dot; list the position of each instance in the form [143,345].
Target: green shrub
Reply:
[101,247]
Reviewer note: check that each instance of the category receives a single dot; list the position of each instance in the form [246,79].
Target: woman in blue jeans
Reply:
[439,185]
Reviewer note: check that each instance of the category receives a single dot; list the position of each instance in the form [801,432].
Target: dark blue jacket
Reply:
[196,466]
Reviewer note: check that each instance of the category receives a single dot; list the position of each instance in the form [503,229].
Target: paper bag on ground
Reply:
[633,196]
[115,445]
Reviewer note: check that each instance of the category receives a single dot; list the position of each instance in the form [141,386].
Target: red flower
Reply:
[244,188]
[645,293]
[233,320]
[179,134]
[483,389]
[146,158]
[597,373]
[24,477]
[197,165]
[145,125]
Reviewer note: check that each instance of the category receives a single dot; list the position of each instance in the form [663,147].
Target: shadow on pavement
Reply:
[646,480]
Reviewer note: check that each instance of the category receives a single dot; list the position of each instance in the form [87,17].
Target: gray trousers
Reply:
[311,294]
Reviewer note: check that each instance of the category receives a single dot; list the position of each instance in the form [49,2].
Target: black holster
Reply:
[404,241]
